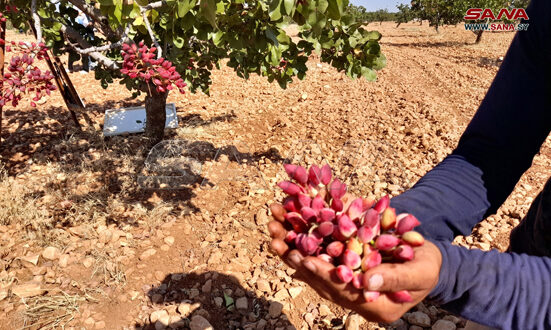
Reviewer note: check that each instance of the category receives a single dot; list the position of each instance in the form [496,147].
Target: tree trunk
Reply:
[155,109]
[397,25]
[478,36]
[436,27]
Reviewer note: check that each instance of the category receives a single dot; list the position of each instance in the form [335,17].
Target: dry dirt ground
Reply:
[92,237]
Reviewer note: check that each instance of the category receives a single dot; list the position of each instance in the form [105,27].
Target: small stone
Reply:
[261,325]
[241,303]
[100,325]
[218,301]
[165,248]
[275,309]
[309,318]
[184,309]
[148,253]
[156,315]
[157,298]
[443,325]
[159,275]
[64,261]
[169,240]
[415,327]
[263,286]
[294,292]
[89,321]
[452,318]
[354,321]
[50,253]
[281,295]
[399,324]
[31,259]
[324,310]
[207,287]
[26,290]
[164,320]
[419,318]
[88,262]
[200,323]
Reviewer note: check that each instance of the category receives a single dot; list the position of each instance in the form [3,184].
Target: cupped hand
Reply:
[418,276]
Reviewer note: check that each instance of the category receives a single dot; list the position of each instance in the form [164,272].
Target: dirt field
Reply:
[86,243]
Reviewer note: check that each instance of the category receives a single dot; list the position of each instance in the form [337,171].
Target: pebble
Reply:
[156,315]
[148,253]
[452,318]
[443,325]
[50,253]
[184,309]
[159,275]
[275,309]
[26,290]
[100,325]
[200,323]
[294,292]
[218,301]
[399,324]
[169,240]
[88,262]
[241,303]
[324,310]
[354,321]
[419,318]
[207,287]
[263,286]
[64,261]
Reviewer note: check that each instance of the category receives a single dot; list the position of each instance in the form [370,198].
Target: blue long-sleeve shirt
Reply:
[503,290]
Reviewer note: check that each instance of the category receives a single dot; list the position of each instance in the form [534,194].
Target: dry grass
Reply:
[110,271]
[50,312]
[18,206]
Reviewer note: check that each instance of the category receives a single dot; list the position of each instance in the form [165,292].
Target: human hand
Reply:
[418,276]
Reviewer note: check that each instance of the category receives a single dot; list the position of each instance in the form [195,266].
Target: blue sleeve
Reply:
[498,145]
[501,290]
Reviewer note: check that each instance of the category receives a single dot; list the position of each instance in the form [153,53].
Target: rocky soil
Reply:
[99,234]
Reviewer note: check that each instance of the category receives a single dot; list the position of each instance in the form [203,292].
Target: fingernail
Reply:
[375,282]
[310,266]
[295,259]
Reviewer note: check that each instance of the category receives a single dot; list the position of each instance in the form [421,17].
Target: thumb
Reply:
[393,278]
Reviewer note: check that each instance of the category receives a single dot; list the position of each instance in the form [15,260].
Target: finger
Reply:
[393,277]
[280,247]
[276,230]
[320,269]
[278,212]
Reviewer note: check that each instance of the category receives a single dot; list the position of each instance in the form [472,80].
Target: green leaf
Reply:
[369,74]
[184,6]
[208,9]
[289,6]
[336,8]
[228,302]
[178,41]
[217,37]
[275,10]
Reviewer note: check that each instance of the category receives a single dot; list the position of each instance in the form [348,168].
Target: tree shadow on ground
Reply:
[218,298]
[107,170]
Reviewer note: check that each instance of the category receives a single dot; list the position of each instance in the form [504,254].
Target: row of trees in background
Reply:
[446,12]
[361,14]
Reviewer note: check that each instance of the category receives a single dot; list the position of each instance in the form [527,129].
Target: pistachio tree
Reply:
[170,44]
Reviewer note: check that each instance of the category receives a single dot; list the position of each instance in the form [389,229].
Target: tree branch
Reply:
[151,34]
[86,49]
[98,18]
[36,20]
[117,44]
[154,5]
